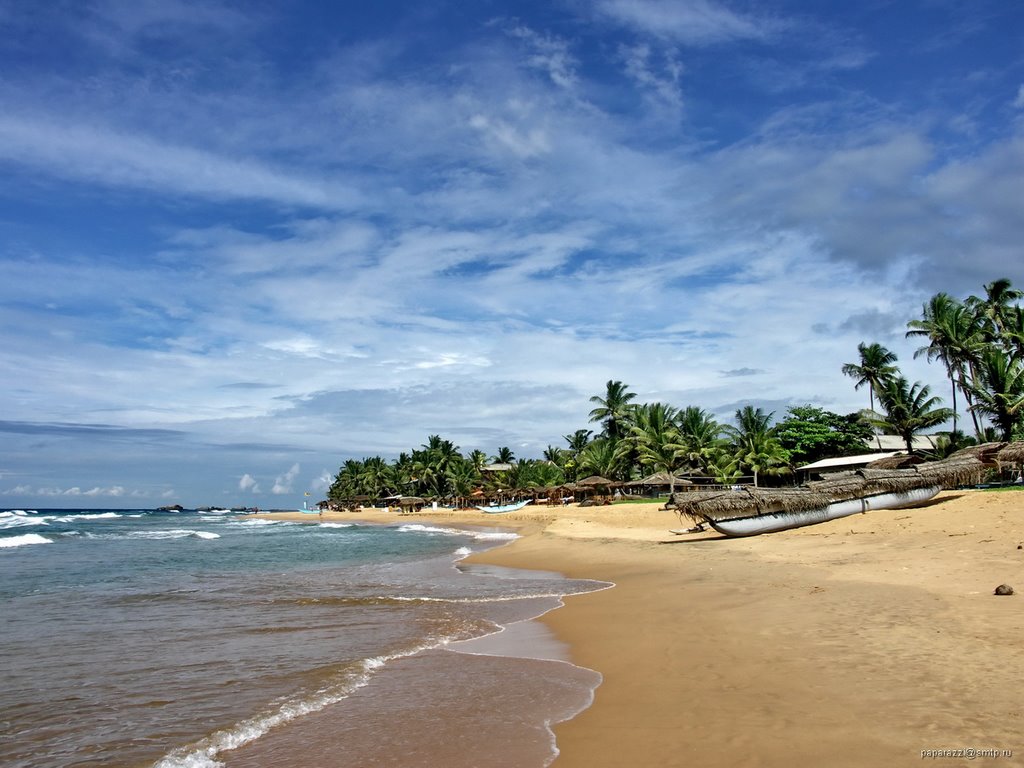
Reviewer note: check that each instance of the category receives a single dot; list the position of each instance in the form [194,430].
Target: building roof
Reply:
[896,443]
[847,461]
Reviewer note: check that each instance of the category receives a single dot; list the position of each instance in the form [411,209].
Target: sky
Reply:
[242,242]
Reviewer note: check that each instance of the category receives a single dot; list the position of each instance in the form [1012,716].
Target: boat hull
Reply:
[498,510]
[780,521]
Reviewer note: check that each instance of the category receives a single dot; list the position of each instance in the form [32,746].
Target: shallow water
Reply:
[139,638]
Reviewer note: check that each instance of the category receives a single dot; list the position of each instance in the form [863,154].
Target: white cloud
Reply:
[283,483]
[693,22]
[116,158]
[549,54]
[248,484]
[323,481]
[1018,102]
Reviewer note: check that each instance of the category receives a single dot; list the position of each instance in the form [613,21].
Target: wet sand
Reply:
[864,641]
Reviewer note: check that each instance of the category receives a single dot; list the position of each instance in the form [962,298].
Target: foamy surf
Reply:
[203,754]
[76,518]
[19,519]
[24,540]
[479,535]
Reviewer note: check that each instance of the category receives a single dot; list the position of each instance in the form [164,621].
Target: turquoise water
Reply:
[141,638]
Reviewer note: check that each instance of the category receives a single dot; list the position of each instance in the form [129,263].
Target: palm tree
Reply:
[600,457]
[578,440]
[909,409]
[554,455]
[504,456]
[723,467]
[994,310]
[478,459]
[654,439]
[875,367]
[954,338]
[764,454]
[999,390]
[613,409]
[699,434]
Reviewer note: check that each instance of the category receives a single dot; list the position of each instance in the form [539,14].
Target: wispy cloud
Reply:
[692,22]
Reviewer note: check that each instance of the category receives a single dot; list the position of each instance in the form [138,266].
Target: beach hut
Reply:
[410,504]
[659,481]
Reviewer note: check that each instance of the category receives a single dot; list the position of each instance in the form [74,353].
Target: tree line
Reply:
[979,341]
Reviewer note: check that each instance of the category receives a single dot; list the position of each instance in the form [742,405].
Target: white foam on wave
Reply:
[18,519]
[258,521]
[97,516]
[203,754]
[336,525]
[177,533]
[478,535]
[24,540]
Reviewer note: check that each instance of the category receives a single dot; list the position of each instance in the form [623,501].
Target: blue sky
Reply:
[242,242]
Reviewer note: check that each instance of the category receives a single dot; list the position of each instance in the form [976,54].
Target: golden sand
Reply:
[865,641]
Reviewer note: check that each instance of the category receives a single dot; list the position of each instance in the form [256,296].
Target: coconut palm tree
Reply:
[700,435]
[999,390]
[613,409]
[763,454]
[600,457]
[993,311]
[875,367]
[554,455]
[578,440]
[723,467]
[504,456]
[654,440]
[954,338]
[909,409]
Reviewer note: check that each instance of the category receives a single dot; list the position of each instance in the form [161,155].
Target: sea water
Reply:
[147,638]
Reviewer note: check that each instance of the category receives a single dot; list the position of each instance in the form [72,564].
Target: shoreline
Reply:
[860,642]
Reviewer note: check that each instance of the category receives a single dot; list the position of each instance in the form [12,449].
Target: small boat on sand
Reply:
[501,508]
[752,525]
[747,511]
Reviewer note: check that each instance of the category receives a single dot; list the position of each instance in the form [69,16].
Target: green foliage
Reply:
[909,410]
[811,434]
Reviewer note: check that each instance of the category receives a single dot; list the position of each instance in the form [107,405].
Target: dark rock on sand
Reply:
[1004,589]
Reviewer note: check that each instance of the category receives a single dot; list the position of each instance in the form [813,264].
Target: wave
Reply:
[336,525]
[24,540]
[479,535]
[203,753]
[177,533]
[19,519]
[261,522]
[97,516]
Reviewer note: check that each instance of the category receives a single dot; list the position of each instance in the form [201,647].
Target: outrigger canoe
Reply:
[752,525]
[500,508]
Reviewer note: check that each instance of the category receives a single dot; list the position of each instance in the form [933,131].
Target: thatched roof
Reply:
[897,461]
[411,501]
[1011,453]
[839,486]
[660,478]
[593,480]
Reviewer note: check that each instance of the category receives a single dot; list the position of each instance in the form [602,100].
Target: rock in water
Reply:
[1004,589]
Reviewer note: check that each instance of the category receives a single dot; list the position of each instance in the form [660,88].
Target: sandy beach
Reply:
[868,641]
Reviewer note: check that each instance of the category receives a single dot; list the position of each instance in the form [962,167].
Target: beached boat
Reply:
[500,508]
[752,525]
[747,511]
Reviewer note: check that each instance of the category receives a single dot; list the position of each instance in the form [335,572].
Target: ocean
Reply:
[193,640]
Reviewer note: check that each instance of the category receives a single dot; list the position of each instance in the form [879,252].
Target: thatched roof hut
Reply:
[1011,453]
[596,480]
[660,479]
